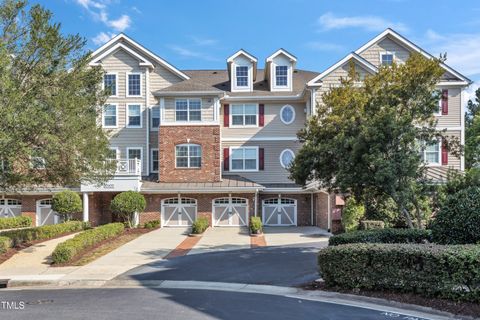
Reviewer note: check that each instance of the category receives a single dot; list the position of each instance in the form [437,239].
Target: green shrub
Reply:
[371,224]
[5,244]
[351,214]
[200,225]
[256,225]
[458,221]
[381,208]
[382,236]
[66,203]
[431,270]
[126,204]
[15,222]
[152,224]
[43,233]
[67,250]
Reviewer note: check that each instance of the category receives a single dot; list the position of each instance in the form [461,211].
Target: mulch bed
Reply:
[78,257]
[12,251]
[460,308]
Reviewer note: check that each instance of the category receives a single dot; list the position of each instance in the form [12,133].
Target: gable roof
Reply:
[411,46]
[284,52]
[146,55]
[350,56]
[243,53]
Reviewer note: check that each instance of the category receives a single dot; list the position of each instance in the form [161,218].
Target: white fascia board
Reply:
[188,93]
[453,83]
[244,139]
[284,52]
[244,53]
[340,63]
[285,190]
[144,61]
[273,98]
[141,48]
[407,43]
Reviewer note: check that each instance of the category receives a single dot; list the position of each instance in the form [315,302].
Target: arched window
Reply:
[188,156]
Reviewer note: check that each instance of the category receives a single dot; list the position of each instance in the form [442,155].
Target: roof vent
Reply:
[214,72]
[295,71]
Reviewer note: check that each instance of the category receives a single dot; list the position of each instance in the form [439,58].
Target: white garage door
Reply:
[279,212]
[178,212]
[45,214]
[229,212]
[10,208]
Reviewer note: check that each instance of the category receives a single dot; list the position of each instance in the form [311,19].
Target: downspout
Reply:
[147,116]
[256,202]
[311,209]
[329,215]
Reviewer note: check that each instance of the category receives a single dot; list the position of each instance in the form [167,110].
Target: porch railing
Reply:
[128,167]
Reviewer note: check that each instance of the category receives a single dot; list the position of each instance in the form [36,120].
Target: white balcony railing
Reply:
[128,167]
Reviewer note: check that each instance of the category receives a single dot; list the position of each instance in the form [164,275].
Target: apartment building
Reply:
[217,143]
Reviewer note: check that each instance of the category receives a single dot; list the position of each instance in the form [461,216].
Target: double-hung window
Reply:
[134,84]
[431,153]
[242,76]
[154,160]
[110,83]
[110,116]
[134,116]
[387,58]
[134,153]
[244,159]
[188,110]
[244,115]
[281,76]
[188,156]
[155,118]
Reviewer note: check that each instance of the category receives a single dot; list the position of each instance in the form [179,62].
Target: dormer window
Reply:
[281,76]
[387,58]
[242,76]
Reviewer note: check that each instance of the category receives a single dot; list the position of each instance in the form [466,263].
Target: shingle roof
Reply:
[214,81]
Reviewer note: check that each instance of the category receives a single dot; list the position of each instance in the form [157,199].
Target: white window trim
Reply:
[294,114]
[135,148]
[230,159]
[116,116]
[151,159]
[116,83]
[152,128]
[117,153]
[188,110]
[127,125]
[234,86]
[387,52]
[126,84]
[243,125]
[281,155]
[275,85]
[248,76]
[188,155]
[439,110]
[433,164]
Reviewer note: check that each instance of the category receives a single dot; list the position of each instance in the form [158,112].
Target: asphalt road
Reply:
[148,303]
[281,266]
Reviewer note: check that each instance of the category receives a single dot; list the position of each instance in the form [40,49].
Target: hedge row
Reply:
[42,233]
[388,235]
[67,250]
[432,270]
[15,222]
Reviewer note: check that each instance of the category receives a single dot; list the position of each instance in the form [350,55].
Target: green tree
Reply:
[472,132]
[49,103]
[368,138]
[66,203]
[127,204]
[352,214]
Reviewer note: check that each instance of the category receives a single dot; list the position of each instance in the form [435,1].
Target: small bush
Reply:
[200,225]
[15,222]
[5,244]
[66,203]
[126,204]
[256,225]
[43,233]
[371,224]
[382,236]
[152,224]
[351,214]
[432,270]
[458,221]
[66,251]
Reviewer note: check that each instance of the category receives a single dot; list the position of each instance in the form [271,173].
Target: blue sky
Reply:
[201,34]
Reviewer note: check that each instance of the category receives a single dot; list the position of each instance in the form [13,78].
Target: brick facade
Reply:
[208,137]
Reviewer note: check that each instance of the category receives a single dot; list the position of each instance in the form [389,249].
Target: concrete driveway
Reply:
[289,259]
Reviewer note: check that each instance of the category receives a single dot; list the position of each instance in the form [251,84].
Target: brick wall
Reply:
[208,137]
[304,206]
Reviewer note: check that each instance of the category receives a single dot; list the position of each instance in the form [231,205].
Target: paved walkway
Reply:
[222,239]
[288,236]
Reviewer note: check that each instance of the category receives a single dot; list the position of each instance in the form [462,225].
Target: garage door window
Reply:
[10,202]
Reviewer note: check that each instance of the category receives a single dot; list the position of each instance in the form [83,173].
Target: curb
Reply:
[377,304]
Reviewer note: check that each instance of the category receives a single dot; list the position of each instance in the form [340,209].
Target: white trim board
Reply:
[241,139]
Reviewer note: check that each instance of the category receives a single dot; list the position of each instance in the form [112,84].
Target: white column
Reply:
[85,206]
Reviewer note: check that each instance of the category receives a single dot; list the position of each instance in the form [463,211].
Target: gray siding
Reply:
[372,54]
[454,116]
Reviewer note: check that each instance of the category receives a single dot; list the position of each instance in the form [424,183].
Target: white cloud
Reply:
[469,93]
[329,21]
[99,11]
[203,41]
[323,46]
[102,38]
[189,53]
